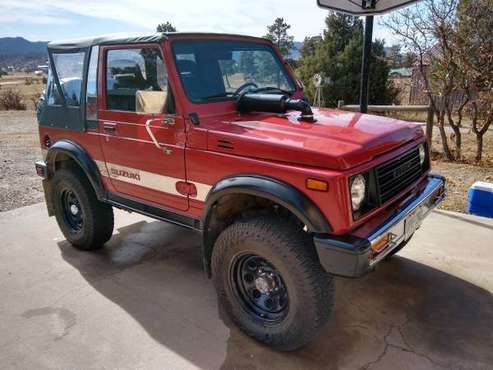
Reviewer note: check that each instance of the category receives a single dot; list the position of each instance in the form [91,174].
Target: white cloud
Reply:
[31,18]
[231,16]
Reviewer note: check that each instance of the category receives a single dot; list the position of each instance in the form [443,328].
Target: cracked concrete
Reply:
[144,302]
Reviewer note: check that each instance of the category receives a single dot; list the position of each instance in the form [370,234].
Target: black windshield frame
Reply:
[242,45]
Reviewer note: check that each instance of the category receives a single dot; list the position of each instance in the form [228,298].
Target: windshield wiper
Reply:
[216,96]
[270,88]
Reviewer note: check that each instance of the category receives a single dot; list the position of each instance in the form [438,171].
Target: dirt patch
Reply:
[19,149]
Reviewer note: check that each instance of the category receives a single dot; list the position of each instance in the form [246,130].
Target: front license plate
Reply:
[413,222]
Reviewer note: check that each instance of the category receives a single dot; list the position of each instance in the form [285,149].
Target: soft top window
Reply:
[69,68]
[136,81]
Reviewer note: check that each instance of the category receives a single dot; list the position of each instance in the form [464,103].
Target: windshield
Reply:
[217,69]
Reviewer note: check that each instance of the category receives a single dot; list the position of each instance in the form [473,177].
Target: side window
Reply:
[69,68]
[52,96]
[92,86]
[136,81]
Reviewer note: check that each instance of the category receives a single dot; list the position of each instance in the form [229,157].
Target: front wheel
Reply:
[85,222]
[270,282]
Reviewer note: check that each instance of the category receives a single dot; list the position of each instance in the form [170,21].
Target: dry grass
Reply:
[28,86]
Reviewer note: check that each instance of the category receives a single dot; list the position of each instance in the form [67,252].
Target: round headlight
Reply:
[358,191]
[422,154]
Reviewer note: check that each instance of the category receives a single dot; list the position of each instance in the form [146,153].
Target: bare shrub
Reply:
[11,100]
[34,100]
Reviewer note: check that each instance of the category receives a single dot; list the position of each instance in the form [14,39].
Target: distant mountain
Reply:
[21,54]
[18,46]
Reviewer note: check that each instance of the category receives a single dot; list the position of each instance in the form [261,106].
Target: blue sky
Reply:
[46,20]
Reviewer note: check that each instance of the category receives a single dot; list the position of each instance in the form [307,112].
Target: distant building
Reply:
[41,70]
[401,72]
[418,93]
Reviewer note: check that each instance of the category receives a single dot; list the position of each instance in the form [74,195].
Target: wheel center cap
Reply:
[264,285]
[74,209]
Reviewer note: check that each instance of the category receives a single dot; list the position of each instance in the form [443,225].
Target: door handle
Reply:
[149,131]
[165,121]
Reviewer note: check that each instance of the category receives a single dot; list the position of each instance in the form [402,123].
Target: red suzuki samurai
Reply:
[213,133]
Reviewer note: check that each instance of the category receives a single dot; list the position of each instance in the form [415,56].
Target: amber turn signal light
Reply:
[382,243]
[317,185]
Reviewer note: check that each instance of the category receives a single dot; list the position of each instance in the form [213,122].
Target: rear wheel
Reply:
[270,282]
[85,222]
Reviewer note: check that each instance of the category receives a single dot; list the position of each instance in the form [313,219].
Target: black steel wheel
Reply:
[72,211]
[269,281]
[259,287]
[85,222]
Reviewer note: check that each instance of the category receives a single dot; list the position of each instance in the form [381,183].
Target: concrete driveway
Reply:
[144,302]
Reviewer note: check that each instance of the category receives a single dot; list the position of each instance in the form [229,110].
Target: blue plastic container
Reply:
[480,200]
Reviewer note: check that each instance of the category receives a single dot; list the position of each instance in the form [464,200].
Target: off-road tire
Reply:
[292,253]
[97,217]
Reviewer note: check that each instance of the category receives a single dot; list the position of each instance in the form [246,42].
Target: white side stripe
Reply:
[166,184]
[102,168]
[202,190]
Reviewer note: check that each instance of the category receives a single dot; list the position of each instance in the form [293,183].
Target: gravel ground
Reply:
[19,149]
[20,186]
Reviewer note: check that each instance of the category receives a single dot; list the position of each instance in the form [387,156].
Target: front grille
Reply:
[396,175]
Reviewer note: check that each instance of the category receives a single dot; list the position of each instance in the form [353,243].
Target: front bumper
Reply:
[353,256]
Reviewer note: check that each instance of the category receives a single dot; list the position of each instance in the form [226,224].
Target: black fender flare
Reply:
[269,188]
[272,189]
[83,160]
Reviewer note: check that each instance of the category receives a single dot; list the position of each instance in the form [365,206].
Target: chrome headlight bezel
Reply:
[422,154]
[358,189]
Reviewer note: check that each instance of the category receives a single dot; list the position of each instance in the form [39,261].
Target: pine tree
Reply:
[165,27]
[338,57]
[278,34]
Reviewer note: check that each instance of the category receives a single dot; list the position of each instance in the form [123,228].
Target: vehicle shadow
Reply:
[405,312]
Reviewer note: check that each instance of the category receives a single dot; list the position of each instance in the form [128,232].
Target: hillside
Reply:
[17,46]
[21,53]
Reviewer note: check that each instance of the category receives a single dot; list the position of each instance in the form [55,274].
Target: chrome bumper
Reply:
[353,256]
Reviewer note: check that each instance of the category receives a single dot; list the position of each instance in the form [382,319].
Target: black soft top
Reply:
[85,43]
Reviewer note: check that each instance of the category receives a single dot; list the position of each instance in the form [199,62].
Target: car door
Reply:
[142,137]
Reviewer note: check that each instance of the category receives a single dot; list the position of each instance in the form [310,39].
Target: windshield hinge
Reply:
[194,118]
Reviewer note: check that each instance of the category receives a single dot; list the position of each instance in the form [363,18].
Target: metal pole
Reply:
[365,65]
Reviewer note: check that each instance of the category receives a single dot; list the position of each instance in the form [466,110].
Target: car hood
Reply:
[336,140]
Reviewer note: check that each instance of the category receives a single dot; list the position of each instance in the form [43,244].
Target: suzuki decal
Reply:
[149,180]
